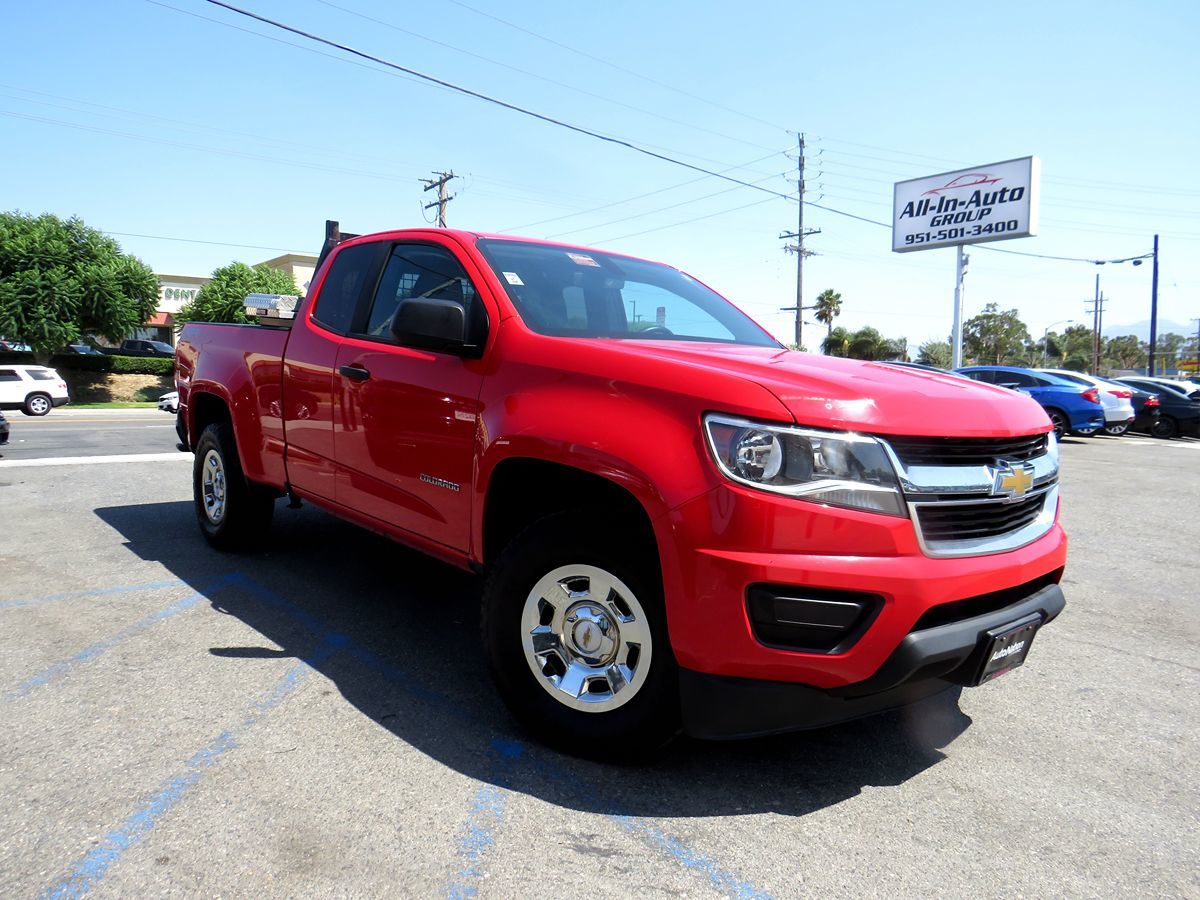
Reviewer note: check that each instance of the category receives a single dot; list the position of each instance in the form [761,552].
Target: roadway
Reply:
[315,719]
[68,433]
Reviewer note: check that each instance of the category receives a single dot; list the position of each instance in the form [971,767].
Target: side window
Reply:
[1020,379]
[421,270]
[351,272]
[9,375]
[985,375]
[41,375]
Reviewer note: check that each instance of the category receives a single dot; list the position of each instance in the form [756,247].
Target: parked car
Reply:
[1070,406]
[685,525]
[1189,390]
[1178,414]
[14,347]
[1146,407]
[146,348]
[35,390]
[3,430]
[81,350]
[169,402]
[1116,399]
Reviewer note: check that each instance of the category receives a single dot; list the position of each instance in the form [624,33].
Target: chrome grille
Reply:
[940,451]
[958,491]
[958,521]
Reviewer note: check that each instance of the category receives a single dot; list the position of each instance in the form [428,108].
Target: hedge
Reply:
[123,365]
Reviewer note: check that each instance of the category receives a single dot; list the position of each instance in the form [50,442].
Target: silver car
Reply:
[1117,401]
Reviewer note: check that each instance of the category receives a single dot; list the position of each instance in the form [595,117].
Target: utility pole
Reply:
[798,248]
[440,183]
[1150,367]
[1097,326]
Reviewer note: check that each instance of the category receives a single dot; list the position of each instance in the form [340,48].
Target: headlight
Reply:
[835,467]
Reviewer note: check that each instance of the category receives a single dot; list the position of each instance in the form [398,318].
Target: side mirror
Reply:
[432,325]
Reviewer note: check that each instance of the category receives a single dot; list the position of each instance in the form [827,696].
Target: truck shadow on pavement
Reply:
[410,659]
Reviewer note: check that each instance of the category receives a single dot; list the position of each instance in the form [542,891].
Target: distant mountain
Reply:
[1142,329]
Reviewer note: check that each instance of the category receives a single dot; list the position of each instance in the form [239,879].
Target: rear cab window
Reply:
[354,271]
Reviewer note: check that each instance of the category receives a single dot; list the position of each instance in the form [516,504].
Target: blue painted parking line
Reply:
[487,809]
[484,821]
[88,871]
[98,592]
[61,669]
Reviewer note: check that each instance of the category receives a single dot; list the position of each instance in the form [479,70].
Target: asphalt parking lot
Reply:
[316,719]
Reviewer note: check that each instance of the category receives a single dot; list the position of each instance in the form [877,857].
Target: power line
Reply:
[721,212]
[489,99]
[612,65]
[182,240]
[547,80]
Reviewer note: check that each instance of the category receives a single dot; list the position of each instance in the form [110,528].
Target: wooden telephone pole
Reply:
[440,183]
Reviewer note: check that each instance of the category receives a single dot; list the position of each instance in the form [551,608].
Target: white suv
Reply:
[35,390]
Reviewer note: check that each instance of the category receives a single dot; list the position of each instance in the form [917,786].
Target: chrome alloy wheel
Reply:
[39,406]
[212,487]
[586,638]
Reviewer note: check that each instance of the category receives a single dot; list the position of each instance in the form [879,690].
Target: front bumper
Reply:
[927,661]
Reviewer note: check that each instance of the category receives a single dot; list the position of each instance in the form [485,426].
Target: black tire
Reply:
[245,508]
[1165,427]
[628,732]
[1116,430]
[1059,420]
[38,405]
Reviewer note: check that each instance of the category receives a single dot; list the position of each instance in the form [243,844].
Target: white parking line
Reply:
[94,460]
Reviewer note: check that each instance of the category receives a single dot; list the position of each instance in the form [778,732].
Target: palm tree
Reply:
[837,343]
[828,307]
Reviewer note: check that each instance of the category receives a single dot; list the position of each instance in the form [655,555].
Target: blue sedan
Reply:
[1071,408]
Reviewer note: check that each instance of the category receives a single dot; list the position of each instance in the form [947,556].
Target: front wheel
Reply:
[1165,427]
[233,513]
[37,405]
[575,633]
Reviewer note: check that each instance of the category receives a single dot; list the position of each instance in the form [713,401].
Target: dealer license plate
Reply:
[1007,647]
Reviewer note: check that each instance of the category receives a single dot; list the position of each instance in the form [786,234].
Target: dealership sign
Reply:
[971,206]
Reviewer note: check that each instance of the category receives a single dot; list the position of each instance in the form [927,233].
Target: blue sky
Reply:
[147,120]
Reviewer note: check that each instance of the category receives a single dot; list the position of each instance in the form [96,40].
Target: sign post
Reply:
[996,202]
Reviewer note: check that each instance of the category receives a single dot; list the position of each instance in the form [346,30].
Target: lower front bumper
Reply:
[928,661]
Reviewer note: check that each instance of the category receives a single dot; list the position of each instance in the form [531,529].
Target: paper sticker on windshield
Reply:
[513,278]
[582,259]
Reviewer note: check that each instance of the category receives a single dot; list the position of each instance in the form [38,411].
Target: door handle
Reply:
[357,373]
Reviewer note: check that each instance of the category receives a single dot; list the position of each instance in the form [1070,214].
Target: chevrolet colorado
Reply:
[684,525]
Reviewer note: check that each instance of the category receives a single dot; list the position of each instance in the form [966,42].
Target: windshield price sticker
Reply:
[971,206]
[582,259]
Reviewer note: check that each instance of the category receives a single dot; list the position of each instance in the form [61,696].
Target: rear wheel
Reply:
[37,405]
[233,513]
[575,633]
[1165,427]
[1116,430]
[1059,420]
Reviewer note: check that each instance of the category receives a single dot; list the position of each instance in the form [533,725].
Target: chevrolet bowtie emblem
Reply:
[1013,482]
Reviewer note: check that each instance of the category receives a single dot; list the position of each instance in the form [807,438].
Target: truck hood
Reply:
[830,392]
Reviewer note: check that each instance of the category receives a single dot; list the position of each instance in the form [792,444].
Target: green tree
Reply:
[60,280]
[1168,351]
[828,308]
[1125,352]
[221,300]
[1076,348]
[935,353]
[994,336]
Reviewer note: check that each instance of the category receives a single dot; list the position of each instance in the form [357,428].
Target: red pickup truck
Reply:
[684,525]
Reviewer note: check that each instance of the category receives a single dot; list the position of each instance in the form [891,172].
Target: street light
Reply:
[1046,337]
[1137,261]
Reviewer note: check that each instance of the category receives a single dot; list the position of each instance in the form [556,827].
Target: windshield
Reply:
[567,292]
